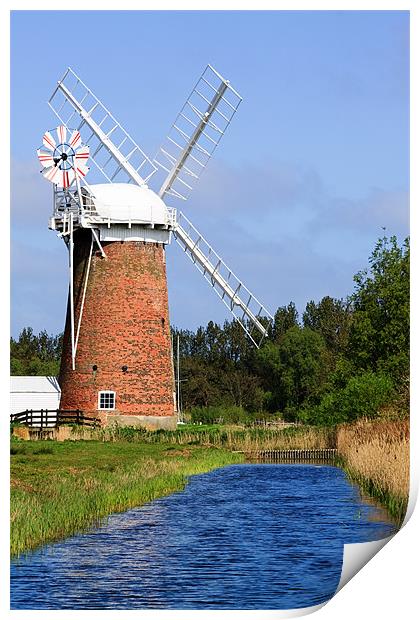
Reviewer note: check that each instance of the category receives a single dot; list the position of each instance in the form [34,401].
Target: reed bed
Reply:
[244,440]
[63,488]
[377,456]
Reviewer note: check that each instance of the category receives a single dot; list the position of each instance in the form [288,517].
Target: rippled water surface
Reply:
[241,537]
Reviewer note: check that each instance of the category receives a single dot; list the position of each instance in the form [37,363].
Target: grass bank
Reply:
[60,488]
[376,455]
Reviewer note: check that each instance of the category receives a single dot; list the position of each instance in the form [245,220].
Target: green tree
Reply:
[33,354]
[362,396]
[330,318]
[199,387]
[238,348]
[295,369]
[284,318]
[241,389]
[379,334]
[26,346]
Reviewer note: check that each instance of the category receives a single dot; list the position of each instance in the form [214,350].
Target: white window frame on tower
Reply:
[111,395]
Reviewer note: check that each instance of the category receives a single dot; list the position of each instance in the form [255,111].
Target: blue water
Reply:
[242,537]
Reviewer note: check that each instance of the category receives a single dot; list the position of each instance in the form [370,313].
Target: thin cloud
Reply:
[31,195]
[279,229]
[378,209]
[254,188]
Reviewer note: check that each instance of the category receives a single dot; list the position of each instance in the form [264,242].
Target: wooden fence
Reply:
[50,418]
[320,454]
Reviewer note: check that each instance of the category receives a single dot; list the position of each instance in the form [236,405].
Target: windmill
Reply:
[116,361]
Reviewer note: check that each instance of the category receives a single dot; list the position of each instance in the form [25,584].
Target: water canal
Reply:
[262,536]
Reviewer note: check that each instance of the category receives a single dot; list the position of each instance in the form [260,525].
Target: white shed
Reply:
[34,393]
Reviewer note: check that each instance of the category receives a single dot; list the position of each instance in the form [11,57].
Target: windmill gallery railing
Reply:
[50,418]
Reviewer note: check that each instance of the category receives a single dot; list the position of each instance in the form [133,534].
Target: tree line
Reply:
[35,354]
[342,359]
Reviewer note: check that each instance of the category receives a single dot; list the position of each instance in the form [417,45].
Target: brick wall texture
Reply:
[125,322]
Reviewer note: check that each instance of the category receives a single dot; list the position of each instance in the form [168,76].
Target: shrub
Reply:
[228,415]
[218,414]
[362,397]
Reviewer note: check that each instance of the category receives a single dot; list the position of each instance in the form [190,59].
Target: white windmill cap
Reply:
[126,202]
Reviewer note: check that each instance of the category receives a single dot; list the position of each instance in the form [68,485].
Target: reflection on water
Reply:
[241,537]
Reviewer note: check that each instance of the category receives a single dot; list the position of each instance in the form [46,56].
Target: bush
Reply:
[227,415]
[218,415]
[363,395]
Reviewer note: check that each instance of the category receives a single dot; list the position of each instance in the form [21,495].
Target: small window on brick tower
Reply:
[106,400]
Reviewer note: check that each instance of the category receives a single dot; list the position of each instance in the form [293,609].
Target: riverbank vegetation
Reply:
[374,453]
[377,457]
[339,374]
[234,438]
[60,488]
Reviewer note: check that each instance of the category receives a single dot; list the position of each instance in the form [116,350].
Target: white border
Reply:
[387,587]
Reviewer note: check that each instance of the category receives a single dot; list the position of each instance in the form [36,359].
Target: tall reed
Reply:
[245,440]
[377,456]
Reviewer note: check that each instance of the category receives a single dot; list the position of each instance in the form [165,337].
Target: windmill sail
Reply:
[113,150]
[245,307]
[185,153]
[196,132]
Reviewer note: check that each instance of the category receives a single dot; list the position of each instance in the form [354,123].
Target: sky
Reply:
[313,168]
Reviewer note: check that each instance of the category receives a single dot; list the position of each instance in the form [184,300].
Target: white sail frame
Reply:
[113,151]
[245,307]
[196,132]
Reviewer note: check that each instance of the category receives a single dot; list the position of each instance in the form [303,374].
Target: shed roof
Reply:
[34,384]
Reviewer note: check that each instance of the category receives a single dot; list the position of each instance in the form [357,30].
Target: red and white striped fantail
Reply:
[63,158]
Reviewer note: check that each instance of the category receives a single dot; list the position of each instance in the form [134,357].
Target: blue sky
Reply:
[314,165]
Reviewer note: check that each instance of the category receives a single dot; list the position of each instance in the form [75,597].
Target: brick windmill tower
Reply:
[117,358]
